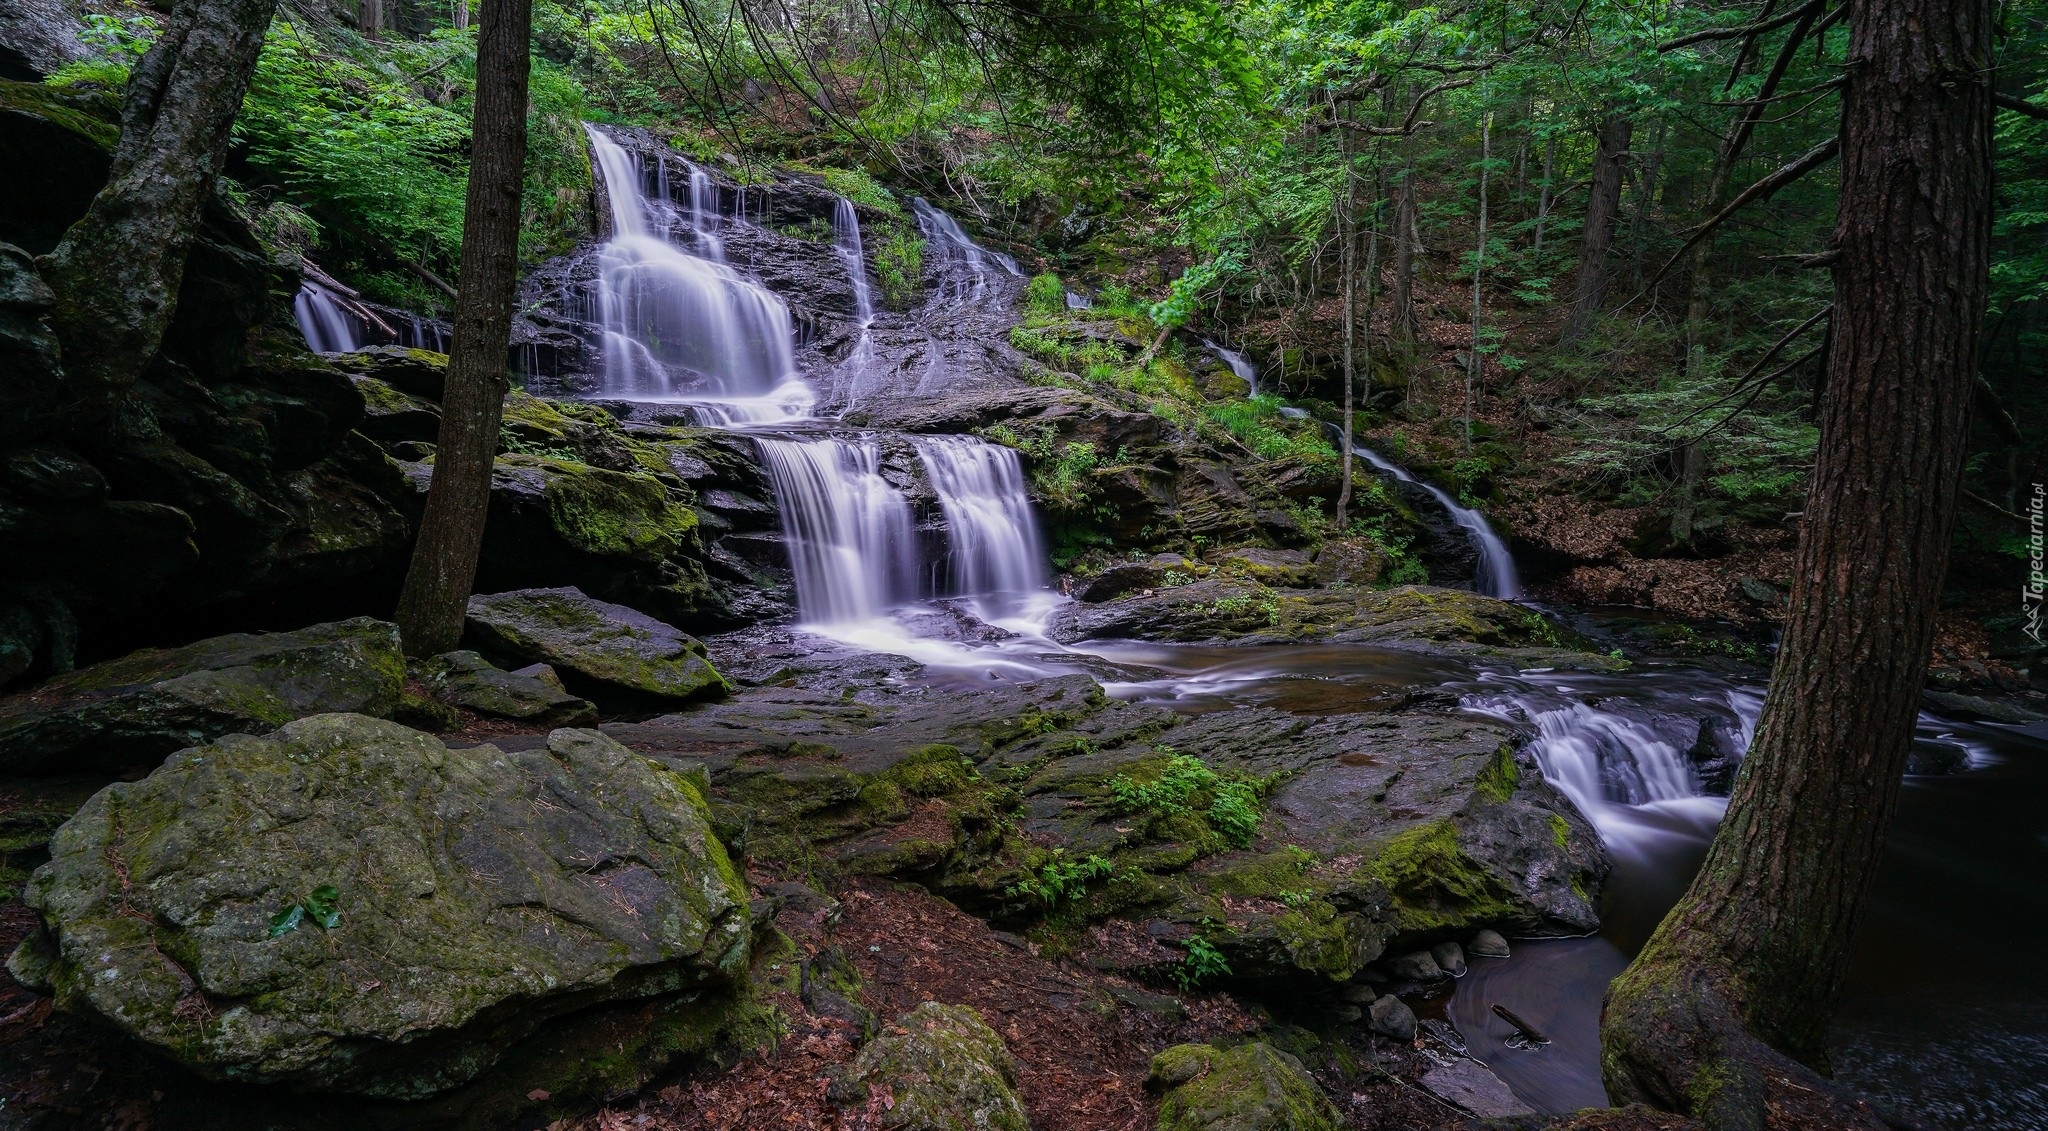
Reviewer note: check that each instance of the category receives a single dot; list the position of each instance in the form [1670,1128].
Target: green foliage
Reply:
[320,907]
[1257,423]
[1045,294]
[1202,963]
[899,265]
[1186,785]
[1060,878]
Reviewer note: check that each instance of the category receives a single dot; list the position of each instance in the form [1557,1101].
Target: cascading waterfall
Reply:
[846,240]
[327,327]
[1497,576]
[996,549]
[679,327]
[1245,370]
[965,268]
[852,545]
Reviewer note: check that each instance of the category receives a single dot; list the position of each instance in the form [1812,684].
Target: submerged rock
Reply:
[612,647]
[349,905]
[534,694]
[134,710]
[1254,1087]
[1450,958]
[1488,944]
[945,1070]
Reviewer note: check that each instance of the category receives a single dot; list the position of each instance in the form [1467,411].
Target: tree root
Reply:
[1672,1037]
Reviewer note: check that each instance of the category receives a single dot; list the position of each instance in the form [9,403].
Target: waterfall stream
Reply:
[1238,364]
[1497,576]
[327,327]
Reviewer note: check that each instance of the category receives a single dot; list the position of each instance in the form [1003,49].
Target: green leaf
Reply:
[322,907]
[287,921]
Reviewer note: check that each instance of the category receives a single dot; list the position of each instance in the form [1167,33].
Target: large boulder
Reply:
[612,648]
[945,1070]
[1254,1087]
[349,905]
[534,694]
[134,710]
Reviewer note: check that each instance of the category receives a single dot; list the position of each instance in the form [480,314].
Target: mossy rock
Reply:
[610,647]
[946,1070]
[1254,1087]
[536,694]
[473,894]
[134,710]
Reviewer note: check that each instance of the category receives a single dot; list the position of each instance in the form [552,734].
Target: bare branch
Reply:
[2020,106]
[1743,31]
[1820,155]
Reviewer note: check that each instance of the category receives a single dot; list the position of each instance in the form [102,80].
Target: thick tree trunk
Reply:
[1406,244]
[437,587]
[1734,991]
[1603,214]
[118,269]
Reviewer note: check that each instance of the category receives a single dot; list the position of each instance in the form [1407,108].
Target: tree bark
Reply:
[1348,232]
[118,269]
[370,17]
[461,15]
[1406,241]
[1475,362]
[1730,999]
[1603,215]
[437,586]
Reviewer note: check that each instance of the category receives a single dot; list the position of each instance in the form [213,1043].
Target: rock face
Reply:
[946,1071]
[609,646]
[134,710]
[1254,1087]
[535,694]
[1294,846]
[349,905]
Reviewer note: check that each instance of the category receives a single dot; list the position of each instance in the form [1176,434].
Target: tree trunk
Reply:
[1544,195]
[118,269]
[1406,241]
[1347,230]
[1475,363]
[461,15]
[1603,213]
[1734,991]
[370,16]
[437,587]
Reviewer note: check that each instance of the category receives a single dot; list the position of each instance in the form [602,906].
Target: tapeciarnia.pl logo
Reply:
[2037,553]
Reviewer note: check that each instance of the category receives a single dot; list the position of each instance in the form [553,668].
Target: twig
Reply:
[1816,157]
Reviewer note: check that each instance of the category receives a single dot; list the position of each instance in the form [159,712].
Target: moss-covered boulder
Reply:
[1254,1087]
[534,694]
[945,1070]
[609,647]
[134,710]
[349,905]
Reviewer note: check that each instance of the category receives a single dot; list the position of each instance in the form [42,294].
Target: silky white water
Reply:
[327,327]
[1244,369]
[680,327]
[1497,576]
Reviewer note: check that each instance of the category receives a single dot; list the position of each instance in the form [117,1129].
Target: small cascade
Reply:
[996,548]
[1077,301]
[704,218]
[1245,370]
[846,240]
[852,544]
[966,269]
[1497,576]
[328,328]
[679,327]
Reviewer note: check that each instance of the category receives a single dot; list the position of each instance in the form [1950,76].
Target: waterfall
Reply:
[852,545]
[965,268]
[1497,576]
[327,327]
[680,327]
[1237,363]
[1077,301]
[993,537]
[846,240]
[704,218]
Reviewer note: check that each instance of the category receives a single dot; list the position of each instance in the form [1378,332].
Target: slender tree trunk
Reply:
[1544,194]
[1603,214]
[118,269]
[1348,232]
[461,15]
[1407,241]
[1734,991]
[370,16]
[1475,363]
[437,587]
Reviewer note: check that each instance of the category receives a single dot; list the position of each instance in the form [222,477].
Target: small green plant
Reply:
[1060,879]
[1202,963]
[1187,785]
[321,907]
[899,266]
[1046,294]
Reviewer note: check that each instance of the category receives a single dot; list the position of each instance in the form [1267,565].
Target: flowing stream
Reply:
[1947,987]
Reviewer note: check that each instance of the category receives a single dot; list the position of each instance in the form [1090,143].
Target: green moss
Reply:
[1317,939]
[1253,1087]
[1500,776]
[1560,831]
[1434,885]
[612,513]
[93,116]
